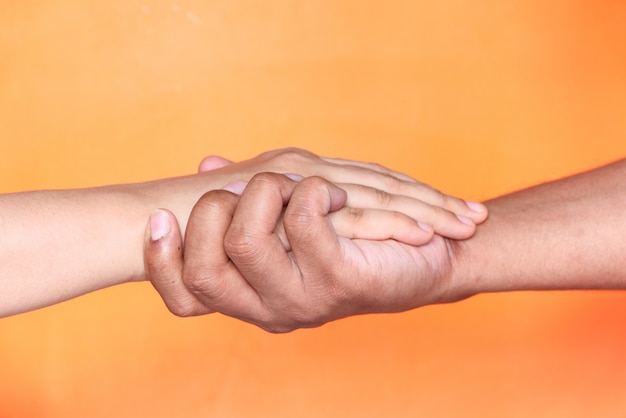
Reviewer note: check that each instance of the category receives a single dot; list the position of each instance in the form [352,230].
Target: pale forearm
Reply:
[568,234]
[57,245]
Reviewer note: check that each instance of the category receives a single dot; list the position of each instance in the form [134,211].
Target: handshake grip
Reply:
[285,252]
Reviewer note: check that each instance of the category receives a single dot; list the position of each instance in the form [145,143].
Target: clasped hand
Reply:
[286,251]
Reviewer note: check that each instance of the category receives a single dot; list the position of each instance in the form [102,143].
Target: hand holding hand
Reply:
[302,274]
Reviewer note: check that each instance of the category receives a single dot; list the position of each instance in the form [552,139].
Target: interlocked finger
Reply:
[208,272]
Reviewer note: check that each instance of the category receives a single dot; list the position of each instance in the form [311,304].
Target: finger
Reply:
[315,244]
[337,170]
[213,162]
[379,225]
[372,224]
[370,166]
[367,174]
[208,272]
[163,261]
[444,222]
[392,184]
[474,211]
[252,244]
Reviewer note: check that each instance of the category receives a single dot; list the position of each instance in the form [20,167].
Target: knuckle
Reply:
[213,202]
[274,322]
[313,185]
[240,244]
[383,198]
[198,283]
[439,198]
[295,152]
[285,326]
[292,158]
[182,311]
[266,182]
[379,167]
[299,221]
[308,320]
[207,285]
[354,214]
[295,314]
[434,214]
[306,203]
[273,328]
[185,307]
[392,184]
[264,178]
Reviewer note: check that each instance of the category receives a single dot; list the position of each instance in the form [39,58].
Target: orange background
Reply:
[476,98]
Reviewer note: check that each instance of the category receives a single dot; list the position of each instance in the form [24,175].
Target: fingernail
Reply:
[294,177]
[159,224]
[475,206]
[424,226]
[465,219]
[236,187]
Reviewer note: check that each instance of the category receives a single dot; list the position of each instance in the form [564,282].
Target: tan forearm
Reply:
[567,234]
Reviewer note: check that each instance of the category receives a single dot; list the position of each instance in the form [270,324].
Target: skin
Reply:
[567,234]
[60,244]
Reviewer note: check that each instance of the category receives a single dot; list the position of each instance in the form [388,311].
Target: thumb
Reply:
[163,261]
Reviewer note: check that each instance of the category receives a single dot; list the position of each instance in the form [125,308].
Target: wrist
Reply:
[177,194]
[473,270]
[463,280]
